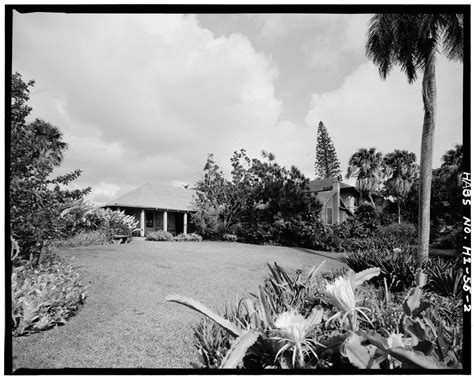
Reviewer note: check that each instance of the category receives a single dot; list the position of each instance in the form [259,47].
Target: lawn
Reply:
[126,323]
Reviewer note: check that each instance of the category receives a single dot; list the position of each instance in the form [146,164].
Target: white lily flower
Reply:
[293,329]
[341,294]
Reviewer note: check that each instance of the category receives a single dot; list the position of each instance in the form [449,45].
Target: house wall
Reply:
[174,224]
[331,212]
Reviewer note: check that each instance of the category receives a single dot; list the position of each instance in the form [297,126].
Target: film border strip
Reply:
[466,250]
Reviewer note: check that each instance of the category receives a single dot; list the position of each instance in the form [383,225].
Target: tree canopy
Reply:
[36,198]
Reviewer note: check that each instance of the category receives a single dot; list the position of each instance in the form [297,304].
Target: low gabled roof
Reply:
[318,185]
[157,196]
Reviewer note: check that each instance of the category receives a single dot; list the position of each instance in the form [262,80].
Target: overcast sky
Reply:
[145,98]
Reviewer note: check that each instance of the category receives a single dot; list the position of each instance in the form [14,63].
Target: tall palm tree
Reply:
[367,166]
[402,171]
[412,41]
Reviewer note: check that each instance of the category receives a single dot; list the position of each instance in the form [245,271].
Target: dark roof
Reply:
[157,196]
[318,185]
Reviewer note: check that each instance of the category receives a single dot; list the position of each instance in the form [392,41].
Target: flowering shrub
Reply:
[159,235]
[192,237]
[303,321]
[44,295]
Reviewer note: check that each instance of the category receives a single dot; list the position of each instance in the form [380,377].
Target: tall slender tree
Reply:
[401,171]
[326,165]
[412,42]
[367,166]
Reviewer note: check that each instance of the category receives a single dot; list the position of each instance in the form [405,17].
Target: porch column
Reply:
[185,223]
[142,223]
[165,221]
[118,208]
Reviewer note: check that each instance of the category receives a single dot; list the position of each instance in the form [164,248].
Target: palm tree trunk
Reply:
[426,158]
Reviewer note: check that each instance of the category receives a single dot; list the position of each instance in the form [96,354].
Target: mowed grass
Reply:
[125,322]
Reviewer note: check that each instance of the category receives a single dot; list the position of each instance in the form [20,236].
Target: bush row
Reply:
[161,235]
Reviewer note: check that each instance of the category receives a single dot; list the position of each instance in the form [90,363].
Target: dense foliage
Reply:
[36,198]
[88,224]
[262,203]
[326,165]
[326,321]
[43,295]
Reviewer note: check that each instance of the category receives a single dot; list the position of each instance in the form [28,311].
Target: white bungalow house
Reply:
[339,200]
[158,207]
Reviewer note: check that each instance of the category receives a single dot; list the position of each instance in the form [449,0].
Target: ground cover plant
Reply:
[304,321]
[43,295]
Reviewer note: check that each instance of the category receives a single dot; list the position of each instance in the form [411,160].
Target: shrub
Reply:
[445,277]
[192,237]
[404,232]
[115,222]
[453,240]
[229,237]
[294,231]
[159,235]
[44,295]
[398,268]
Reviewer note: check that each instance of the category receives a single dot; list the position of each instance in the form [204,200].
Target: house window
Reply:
[329,216]
[149,220]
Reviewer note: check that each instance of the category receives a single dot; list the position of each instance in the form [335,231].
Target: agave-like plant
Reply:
[341,293]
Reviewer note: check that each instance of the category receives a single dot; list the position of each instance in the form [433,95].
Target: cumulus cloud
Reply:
[144,97]
[327,41]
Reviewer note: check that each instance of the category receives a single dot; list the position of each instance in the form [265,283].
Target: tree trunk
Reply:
[399,218]
[426,159]
[371,200]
